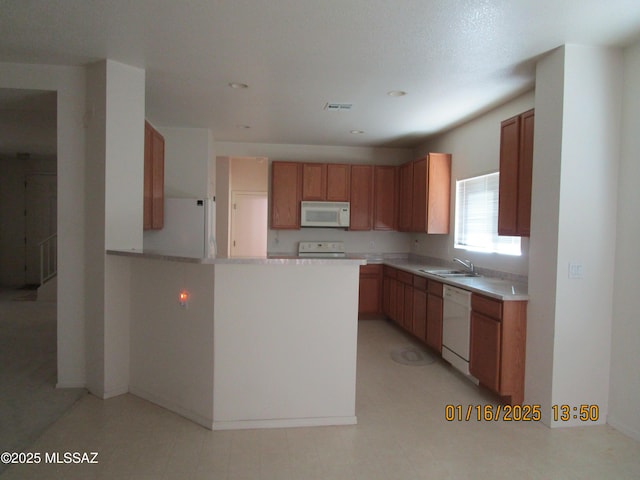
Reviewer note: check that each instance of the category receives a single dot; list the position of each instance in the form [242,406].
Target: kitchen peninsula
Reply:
[258,342]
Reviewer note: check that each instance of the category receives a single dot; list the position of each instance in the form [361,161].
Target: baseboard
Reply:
[623,428]
[285,423]
[71,385]
[172,406]
[115,392]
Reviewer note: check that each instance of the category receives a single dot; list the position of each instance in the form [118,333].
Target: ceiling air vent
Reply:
[338,107]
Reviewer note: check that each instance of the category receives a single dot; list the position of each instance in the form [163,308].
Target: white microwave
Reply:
[324,214]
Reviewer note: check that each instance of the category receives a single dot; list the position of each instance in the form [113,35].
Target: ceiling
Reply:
[453,58]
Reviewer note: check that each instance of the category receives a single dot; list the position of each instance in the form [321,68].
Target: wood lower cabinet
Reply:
[370,293]
[361,209]
[516,166]
[286,192]
[153,200]
[435,304]
[419,328]
[385,197]
[497,346]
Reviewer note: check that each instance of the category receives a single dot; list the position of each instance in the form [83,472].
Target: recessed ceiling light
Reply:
[357,132]
[396,93]
[238,85]
[245,127]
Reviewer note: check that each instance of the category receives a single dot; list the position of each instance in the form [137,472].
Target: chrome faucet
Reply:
[467,264]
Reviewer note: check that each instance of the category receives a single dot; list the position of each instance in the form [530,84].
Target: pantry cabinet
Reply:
[361,208]
[286,192]
[497,346]
[153,197]
[516,165]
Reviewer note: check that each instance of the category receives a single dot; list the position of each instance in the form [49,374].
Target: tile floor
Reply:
[401,434]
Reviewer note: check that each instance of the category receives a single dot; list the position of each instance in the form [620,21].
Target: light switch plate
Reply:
[576,270]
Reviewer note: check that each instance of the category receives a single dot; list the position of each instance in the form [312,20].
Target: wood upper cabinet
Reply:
[435,304]
[286,191]
[385,197]
[497,346]
[325,182]
[516,165]
[361,209]
[314,181]
[431,194]
[153,200]
[338,182]
[405,197]
[370,292]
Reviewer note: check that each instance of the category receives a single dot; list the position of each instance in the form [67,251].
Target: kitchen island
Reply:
[259,343]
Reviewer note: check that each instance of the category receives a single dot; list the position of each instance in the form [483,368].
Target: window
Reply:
[477,217]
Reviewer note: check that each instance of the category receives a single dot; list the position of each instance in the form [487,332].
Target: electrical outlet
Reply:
[372,245]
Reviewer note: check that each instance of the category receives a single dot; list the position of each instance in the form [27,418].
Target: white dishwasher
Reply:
[456,325]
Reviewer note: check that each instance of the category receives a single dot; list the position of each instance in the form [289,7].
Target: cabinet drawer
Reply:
[419,282]
[390,272]
[405,277]
[435,288]
[370,269]
[487,306]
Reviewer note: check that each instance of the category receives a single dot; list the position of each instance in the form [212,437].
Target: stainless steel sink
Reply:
[450,273]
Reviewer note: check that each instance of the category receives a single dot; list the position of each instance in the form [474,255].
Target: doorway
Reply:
[40,220]
[248,207]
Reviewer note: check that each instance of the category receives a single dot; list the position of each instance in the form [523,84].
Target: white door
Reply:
[40,222]
[248,224]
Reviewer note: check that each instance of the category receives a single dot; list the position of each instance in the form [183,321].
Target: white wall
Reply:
[286,241]
[283,358]
[69,83]
[624,396]
[578,107]
[186,162]
[114,179]
[475,150]
[171,346]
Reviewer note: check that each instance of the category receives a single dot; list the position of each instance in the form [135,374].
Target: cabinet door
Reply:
[405,212]
[338,184]
[153,200]
[148,178]
[314,181]
[484,355]
[419,200]
[438,193]
[525,172]
[508,193]
[386,296]
[420,314]
[361,197]
[286,184]
[385,198]
[407,313]
[370,289]
[434,322]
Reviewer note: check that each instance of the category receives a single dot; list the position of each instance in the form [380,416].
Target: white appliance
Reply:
[321,250]
[189,229]
[324,214]
[456,326]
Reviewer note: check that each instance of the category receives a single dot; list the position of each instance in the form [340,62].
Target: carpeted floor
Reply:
[29,401]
